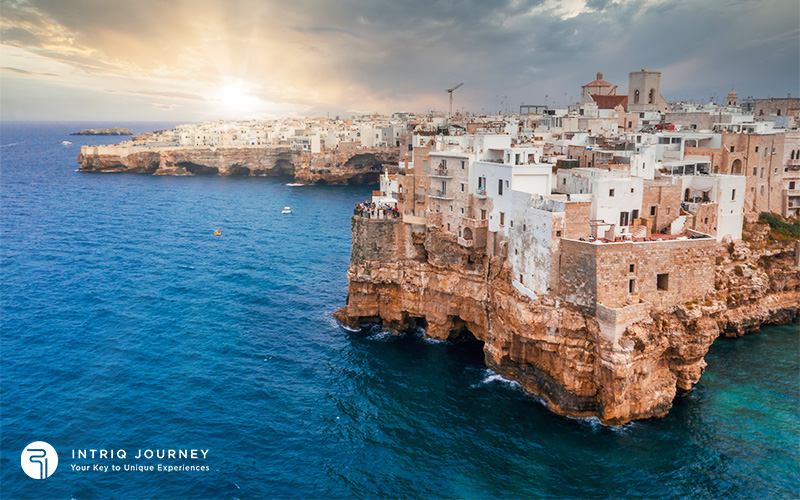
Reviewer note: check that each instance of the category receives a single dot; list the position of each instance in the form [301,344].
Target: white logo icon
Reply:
[39,460]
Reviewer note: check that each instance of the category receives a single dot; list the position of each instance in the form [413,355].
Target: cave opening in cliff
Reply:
[196,169]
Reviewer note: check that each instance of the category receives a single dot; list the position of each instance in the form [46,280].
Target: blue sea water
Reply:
[126,324]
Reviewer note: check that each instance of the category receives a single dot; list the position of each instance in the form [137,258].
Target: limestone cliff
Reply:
[354,166]
[361,166]
[188,161]
[407,275]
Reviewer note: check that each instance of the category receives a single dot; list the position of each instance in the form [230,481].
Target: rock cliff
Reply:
[406,275]
[356,166]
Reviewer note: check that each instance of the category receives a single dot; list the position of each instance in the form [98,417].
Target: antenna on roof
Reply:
[450,91]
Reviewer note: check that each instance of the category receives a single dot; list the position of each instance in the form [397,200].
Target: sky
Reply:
[198,60]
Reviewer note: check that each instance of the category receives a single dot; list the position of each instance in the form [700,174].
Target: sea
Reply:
[127,324]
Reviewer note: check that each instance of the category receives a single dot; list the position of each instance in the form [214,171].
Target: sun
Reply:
[237,98]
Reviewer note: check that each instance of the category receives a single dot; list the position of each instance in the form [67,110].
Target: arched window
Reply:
[792,155]
[650,96]
[736,169]
[636,97]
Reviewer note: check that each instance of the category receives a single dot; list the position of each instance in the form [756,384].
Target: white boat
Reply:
[286,210]
[65,143]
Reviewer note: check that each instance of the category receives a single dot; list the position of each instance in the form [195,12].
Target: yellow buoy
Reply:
[217,233]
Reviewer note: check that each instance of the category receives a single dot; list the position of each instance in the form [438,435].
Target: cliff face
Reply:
[360,166]
[188,161]
[363,166]
[404,275]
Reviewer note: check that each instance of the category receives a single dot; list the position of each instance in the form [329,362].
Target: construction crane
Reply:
[450,91]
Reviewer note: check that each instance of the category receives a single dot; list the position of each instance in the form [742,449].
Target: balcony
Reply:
[466,243]
[398,196]
[440,195]
[440,173]
[480,193]
[475,223]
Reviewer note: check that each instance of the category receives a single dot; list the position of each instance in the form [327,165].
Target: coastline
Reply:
[558,352]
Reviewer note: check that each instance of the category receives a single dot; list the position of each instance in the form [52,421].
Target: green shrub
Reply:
[777,224]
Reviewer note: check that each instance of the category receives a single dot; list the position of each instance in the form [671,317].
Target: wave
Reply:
[294,184]
[9,145]
[491,377]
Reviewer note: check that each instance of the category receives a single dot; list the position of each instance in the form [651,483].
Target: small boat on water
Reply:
[65,143]
[286,210]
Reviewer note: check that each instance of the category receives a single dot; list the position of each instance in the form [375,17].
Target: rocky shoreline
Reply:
[405,275]
[354,166]
[105,131]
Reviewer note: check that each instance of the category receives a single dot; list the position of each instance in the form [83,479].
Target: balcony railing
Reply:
[480,193]
[438,193]
[475,223]
[440,172]
[466,243]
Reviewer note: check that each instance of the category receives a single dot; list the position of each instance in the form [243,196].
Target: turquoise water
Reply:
[127,324]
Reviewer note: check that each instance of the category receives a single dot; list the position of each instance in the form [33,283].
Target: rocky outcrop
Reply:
[273,161]
[354,166]
[404,275]
[104,131]
[362,166]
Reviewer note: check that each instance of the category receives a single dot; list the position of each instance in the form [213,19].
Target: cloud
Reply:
[28,73]
[385,55]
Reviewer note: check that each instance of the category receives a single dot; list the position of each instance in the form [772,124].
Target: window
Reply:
[755,171]
[425,165]
[756,149]
[511,223]
[462,211]
[448,227]
[630,124]
[500,187]
[451,208]
[483,214]
[762,173]
[631,286]
[636,97]
[525,226]
[558,234]
[733,194]
[705,221]
[652,211]
[502,219]
[444,164]
[762,190]
[516,252]
[631,268]
[791,185]
[731,149]
[611,193]
[563,182]
[662,281]
[716,169]
[651,96]
[668,209]
[463,163]
[462,188]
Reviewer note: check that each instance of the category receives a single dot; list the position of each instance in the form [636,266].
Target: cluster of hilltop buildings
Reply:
[614,202]
[310,135]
